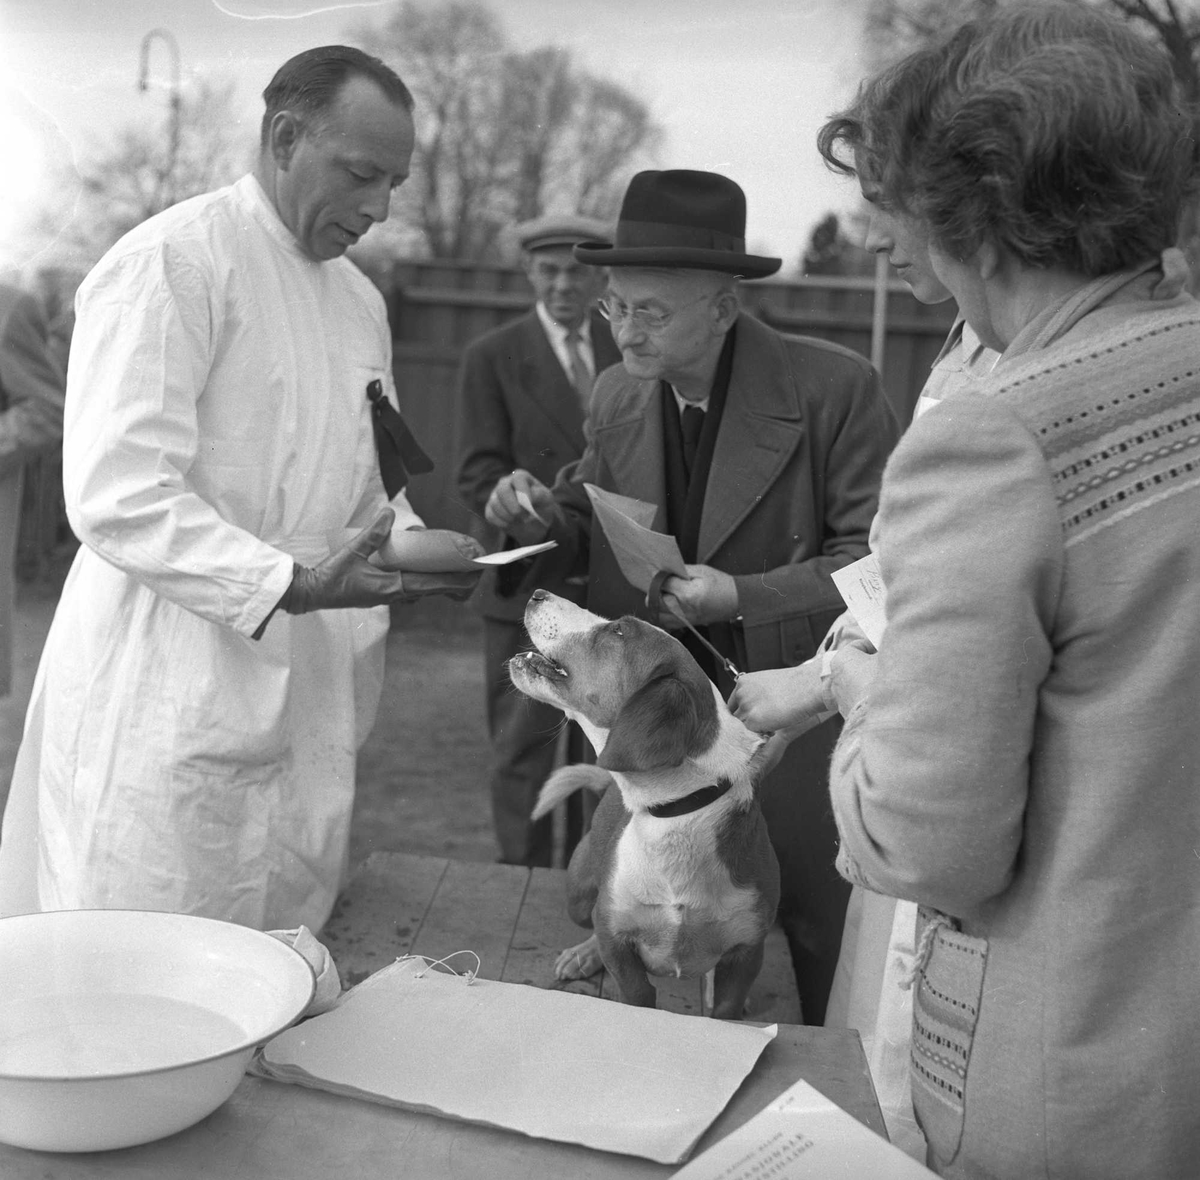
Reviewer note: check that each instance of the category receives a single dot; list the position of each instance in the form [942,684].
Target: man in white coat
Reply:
[217,655]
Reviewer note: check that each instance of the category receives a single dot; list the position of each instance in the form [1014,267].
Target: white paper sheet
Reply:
[506,556]
[861,586]
[526,505]
[550,1064]
[639,511]
[640,552]
[803,1136]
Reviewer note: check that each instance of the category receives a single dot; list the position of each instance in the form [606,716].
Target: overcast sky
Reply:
[740,86]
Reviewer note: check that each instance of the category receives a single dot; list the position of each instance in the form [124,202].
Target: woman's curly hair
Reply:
[1054,132]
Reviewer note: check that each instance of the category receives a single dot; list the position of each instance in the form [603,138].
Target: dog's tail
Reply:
[566,780]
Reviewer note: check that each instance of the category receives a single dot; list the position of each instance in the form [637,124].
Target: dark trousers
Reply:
[812,908]
[795,802]
[524,736]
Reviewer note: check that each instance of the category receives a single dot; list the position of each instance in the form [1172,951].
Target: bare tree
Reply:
[132,179]
[502,135]
[611,129]
[894,27]
[538,96]
[897,27]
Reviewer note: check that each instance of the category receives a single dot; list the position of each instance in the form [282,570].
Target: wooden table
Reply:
[515,920]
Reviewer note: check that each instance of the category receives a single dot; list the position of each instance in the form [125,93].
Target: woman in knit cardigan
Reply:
[1022,756]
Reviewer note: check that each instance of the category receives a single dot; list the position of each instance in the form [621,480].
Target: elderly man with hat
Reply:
[523,395]
[763,454]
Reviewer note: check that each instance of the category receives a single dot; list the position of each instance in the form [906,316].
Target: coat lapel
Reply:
[545,383]
[633,447]
[760,430]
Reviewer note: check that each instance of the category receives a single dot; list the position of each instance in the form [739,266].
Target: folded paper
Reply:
[861,586]
[640,552]
[551,1064]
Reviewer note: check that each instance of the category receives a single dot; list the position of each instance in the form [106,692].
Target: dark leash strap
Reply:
[656,603]
[400,454]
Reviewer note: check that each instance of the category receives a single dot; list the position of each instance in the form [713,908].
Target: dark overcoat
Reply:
[791,492]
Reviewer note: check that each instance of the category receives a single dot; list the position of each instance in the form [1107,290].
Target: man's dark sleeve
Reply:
[483,437]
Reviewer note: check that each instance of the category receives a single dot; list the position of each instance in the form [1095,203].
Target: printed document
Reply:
[803,1136]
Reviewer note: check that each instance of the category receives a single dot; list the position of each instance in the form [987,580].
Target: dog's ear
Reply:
[667,719]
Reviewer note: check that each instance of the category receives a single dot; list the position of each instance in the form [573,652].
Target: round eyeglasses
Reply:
[642,318]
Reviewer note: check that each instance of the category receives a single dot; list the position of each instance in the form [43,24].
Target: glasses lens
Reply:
[642,318]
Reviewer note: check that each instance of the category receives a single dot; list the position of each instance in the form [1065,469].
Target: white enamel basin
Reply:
[121,1026]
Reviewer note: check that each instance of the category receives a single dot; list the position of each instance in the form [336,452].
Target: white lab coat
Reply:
[217,427]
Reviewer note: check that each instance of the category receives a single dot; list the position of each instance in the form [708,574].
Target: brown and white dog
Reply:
[676,875]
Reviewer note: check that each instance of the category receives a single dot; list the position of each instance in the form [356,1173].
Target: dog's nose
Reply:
[540,595]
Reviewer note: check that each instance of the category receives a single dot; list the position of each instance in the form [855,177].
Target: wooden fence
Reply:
[436,308]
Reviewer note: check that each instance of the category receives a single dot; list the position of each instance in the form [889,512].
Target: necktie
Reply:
[692,422]
[580,377]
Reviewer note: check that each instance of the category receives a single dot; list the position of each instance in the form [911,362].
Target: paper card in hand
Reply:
[502,557]
[861,586]
[433,551]
[508,556]
[555,1065]
[639,551]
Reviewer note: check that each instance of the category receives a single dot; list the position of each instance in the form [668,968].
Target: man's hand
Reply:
[506,510]
[706,595]
[348,579]
[780,698]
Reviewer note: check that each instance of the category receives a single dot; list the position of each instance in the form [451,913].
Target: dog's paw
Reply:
[578,962]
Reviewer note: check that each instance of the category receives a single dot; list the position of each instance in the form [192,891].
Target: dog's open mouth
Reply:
[539,665]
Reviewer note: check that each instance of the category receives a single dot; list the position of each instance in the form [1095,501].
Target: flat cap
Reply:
[561,229]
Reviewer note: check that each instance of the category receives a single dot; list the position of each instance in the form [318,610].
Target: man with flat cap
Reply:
[763,454]
[523,395]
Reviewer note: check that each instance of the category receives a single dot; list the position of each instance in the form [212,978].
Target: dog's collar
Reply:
[693,802]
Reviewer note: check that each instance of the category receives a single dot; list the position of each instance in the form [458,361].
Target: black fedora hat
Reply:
[681,218]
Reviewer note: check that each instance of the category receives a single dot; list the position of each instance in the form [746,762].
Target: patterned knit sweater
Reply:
[1027,763]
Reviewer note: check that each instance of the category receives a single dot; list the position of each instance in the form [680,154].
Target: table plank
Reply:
[543,930]
[273,1131]
[475,908]
[378,917]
